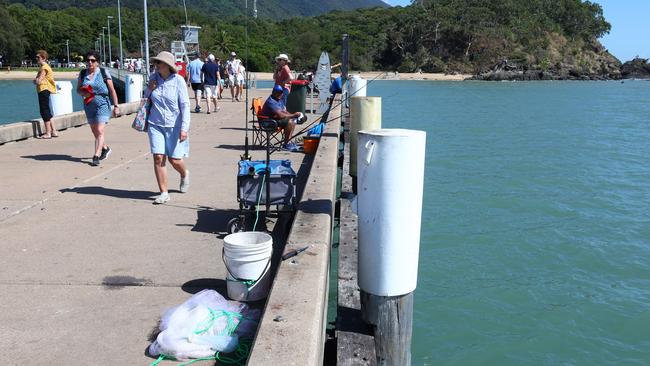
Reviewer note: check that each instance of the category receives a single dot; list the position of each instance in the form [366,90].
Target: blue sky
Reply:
[630,34]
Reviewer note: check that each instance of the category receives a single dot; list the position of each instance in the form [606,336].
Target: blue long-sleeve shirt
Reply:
[170,103]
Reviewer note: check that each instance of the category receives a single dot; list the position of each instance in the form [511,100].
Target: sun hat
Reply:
[211,57]
[167,58]
[233,53]
[283,56]
[278,88]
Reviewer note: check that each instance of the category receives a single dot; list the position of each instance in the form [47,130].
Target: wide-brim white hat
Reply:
[283,56]
[167,58]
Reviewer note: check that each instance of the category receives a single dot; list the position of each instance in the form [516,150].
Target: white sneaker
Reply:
[164,197]
[291,147]
[185,182]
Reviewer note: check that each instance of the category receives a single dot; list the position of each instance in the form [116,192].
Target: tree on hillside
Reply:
[12,40]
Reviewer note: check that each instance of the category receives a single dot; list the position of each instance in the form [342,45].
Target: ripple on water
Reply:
[536,221]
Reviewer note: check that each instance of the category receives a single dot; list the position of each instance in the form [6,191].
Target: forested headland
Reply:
[509,39]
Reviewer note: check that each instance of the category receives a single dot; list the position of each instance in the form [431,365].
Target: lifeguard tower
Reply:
[189,45]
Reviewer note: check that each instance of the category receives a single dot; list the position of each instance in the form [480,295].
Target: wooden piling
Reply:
[392,320]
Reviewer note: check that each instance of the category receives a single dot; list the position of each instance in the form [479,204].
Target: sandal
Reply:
[45,136]
[54,134]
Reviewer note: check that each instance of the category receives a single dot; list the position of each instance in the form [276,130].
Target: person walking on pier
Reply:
[95,85]
[234,75]
[211,76]
[282,75]
[169,123]
[45,86]
[221,78]
[195,80]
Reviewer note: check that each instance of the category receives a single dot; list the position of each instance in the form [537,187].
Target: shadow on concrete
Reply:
[117,193]
[302,175]
[317,206]
[213,221]
[53,157]
[200,284]
[236,129]
[240,147]
[350,320]
[36,128]
[231,147]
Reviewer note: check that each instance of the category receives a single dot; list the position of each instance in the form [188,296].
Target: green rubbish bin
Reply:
[298,96]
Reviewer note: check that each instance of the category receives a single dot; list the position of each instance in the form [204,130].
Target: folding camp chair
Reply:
[259,134]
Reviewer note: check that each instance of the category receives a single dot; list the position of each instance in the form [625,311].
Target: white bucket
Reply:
[247,256]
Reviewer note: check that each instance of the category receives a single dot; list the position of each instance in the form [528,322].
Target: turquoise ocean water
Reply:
[535,246]
[19,101]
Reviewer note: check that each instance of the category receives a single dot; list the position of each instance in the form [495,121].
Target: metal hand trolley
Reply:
[263,182]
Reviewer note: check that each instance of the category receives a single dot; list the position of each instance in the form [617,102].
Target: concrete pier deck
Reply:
[87,263]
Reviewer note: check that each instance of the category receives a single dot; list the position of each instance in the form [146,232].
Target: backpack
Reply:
[84,72]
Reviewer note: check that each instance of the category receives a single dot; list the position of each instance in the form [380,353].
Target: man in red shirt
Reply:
[282,75]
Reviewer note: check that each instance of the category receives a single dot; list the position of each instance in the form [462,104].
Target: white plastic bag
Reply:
[201,326]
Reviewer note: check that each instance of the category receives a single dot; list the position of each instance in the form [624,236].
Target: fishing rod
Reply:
[246,155]
[343,100]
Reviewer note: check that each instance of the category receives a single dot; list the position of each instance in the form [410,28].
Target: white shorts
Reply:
[235,79]
[210,91]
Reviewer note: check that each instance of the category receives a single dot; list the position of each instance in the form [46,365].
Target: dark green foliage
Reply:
[430,35]
[271,9]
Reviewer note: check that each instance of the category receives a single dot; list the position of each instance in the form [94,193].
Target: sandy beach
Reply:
[29,75]
[387,75]
[371,75]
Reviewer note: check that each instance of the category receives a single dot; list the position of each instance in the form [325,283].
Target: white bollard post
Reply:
[358,86]
[61,102]
[365,114]
[133,86]
[390,165]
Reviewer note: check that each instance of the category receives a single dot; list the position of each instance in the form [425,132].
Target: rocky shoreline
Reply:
[636,69]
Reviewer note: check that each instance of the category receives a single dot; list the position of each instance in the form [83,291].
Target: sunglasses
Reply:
[91,60]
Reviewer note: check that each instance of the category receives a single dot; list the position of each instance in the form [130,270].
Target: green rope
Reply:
[257,214]
[199,359]
[162,357]
[248,283]
[237,357]
[214,315]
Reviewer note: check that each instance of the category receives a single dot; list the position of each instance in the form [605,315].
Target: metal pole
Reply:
[119,27]
[103,45]
[187,22]
[110,55]
[345,66]
[67,48]
[246,155]
[146,38]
